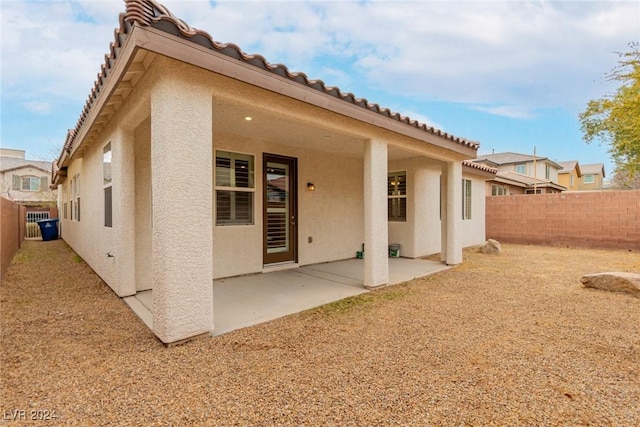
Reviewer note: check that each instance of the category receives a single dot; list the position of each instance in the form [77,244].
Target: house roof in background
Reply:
[507,158]
[594,168]
[151,13]
[568,167]
[8,163]
[525,181]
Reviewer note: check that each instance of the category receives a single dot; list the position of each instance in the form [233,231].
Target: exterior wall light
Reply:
[310,186]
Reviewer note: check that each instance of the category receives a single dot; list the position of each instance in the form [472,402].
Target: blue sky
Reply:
[509,74]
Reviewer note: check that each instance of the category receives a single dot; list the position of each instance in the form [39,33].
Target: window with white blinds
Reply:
[397,196]
[466,199]
[234,188]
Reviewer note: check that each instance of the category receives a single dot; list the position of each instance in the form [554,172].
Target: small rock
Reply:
[491,247]
[628,283]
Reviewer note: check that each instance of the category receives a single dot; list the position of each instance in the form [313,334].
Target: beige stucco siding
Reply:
[89,237]
[331,215]
[473,230]
[419,235]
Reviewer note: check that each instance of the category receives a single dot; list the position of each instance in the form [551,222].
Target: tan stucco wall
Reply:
[421,234]
[564,179]
[332,215]
[89,237]
[581,186]
[473,230]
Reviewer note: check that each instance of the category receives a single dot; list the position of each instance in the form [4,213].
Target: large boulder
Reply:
[491,247]
[628,283]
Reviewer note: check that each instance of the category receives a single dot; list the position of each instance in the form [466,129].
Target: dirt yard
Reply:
[511,339]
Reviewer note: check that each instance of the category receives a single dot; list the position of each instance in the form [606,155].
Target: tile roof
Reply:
[507,158]
[10,163]
[594,168]
[153,14]
[567,166]
[525,180]
[479,166]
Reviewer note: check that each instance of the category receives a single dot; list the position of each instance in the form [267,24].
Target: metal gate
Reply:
[32,229]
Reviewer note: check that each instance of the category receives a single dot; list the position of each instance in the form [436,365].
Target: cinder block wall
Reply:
[12,226]
[606,219]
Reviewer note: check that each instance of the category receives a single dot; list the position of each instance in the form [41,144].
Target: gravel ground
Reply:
[511,339]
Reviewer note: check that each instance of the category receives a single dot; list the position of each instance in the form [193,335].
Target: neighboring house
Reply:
[592,177]
[25,181]
[521,174]
[194,161]
[569,175]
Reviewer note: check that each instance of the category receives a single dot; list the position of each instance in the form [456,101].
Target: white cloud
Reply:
[508,57]
[511,111]
[54,48]
[519,55]
[39,107]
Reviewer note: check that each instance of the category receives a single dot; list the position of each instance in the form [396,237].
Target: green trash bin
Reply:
[48,228]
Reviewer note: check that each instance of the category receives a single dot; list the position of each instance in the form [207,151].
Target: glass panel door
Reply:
[279,209]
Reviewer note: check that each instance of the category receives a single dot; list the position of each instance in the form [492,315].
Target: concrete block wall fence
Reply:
[12,231]
[605,219]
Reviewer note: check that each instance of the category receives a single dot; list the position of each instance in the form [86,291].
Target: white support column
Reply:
[182,168]
[454,213]
[124,210]
[443,213]
[376,231]
[421,197]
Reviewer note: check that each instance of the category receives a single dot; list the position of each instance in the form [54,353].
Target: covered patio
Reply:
[248,300]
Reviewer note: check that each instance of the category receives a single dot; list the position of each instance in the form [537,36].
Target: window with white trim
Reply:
[75,197]
[498,190]
[589,179]
[547,172]
[397,196]
[521,168]
[29,183]
[107,185]
[466,199]
[235,188]
[571,180]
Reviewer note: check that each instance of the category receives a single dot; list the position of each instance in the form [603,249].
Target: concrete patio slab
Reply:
[244,301]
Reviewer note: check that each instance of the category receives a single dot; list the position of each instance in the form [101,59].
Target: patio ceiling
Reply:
[270,126]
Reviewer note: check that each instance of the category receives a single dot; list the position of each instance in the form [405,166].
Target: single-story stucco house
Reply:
[194,161]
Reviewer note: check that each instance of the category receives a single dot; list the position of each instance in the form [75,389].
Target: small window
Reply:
[108,220]
[547,172]
[106,164]
[235,188]
[466,199]
[571,180]
[75,198]
[107,185]
[521,168]
[589,179]
[31,183]
[397,196]
[498,190]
